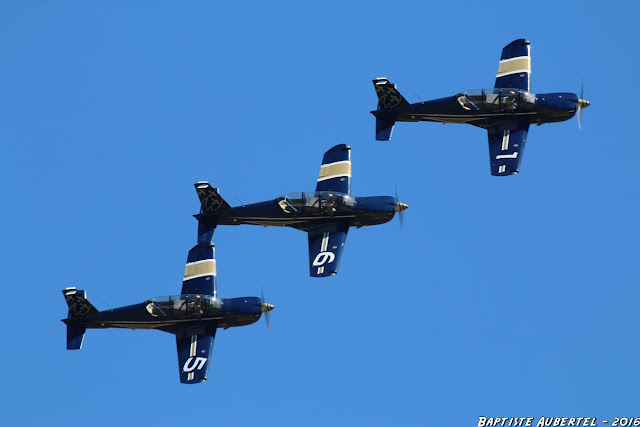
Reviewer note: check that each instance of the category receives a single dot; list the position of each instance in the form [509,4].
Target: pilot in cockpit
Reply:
[509,100]
[195,306]
[330,203]
[152,309]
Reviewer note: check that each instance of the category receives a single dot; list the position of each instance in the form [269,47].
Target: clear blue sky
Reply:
[511,296]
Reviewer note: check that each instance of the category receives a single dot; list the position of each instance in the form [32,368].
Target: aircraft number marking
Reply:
[507,156]
[324,258]
[199,364]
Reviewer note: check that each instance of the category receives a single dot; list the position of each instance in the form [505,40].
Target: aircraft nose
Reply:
[583,103]
[399,207]
[264,307]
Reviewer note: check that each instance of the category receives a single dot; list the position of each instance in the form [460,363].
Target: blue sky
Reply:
[511,296]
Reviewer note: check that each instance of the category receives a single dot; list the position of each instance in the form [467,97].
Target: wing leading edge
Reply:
[325,250]
[335,172]
[506,148]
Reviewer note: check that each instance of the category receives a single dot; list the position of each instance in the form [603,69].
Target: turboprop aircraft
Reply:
[505,111]
[193,316]
[325,214]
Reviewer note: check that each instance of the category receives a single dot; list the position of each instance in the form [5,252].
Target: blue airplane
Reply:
[325,214]
[193,316]
[505,111]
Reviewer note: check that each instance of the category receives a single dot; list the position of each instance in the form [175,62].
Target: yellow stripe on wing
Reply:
[205,267]
[521,64]
[333,170]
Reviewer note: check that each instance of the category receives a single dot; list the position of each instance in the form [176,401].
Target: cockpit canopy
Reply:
[326,202]
[191,305]
[496,99]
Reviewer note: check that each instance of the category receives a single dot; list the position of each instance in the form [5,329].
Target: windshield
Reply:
[183,306]
[325,202]
[497,99]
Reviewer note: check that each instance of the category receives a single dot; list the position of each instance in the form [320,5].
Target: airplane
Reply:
[193,316]
[505,111]
[325,214]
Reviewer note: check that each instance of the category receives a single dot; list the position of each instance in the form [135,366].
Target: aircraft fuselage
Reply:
[307,211]
[489,108]
[179,312]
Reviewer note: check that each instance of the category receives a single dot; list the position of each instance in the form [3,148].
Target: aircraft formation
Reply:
[506,111]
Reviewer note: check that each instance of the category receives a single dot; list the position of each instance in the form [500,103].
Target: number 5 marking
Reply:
[199,363]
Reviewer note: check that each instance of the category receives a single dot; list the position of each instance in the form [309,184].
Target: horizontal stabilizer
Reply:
[75,336]
[384,128]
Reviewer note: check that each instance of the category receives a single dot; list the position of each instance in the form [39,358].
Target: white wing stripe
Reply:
[507,156]
[194,345]
[505,140]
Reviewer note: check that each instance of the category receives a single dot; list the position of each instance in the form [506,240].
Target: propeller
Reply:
[582,103]
[400,207]
[266,308]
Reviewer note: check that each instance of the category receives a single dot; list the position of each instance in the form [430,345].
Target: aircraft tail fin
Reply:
[78,307]
[388,95]
[210,199]
[78,304]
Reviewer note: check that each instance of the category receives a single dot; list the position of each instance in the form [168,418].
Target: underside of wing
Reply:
[194,353]
[335,172]
[514,69]
[506,148]
[325,250]
[200,271]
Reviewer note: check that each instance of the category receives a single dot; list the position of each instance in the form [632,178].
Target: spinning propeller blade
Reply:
[400,207]
[582,103]
[266,308]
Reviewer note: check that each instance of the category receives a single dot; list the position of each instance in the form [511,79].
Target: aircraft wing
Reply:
[194,353]
[200,271]
[514,69]
[506,148]
[335,172]
[325,250]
